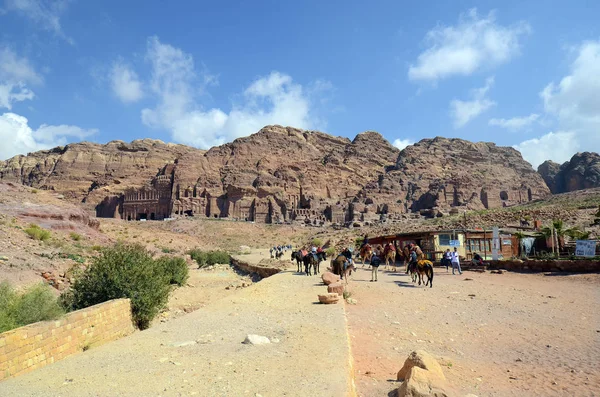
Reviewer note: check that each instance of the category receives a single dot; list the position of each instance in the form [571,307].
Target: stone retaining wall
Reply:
[261,271]
[549,265]
[36,345]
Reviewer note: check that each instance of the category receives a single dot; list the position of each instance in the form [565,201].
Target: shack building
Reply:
[467,243]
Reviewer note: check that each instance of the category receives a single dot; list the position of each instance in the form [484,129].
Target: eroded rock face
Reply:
[581,172]
[441,173]
[281,174]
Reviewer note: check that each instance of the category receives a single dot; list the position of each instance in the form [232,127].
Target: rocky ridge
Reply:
[581,172]
[280,168]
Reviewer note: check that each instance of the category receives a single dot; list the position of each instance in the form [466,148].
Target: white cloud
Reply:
[44,13]
[18,138]
[515,123]
[556,146]
[474,43]
[272,99]
[575,103]
[15,74]
[125,83]
[464,111]
[402,143]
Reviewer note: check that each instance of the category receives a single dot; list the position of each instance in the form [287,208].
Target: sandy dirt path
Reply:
[495,334]
[201,353]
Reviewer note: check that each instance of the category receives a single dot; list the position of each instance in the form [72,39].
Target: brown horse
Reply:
[339,267]
[423,268]
[389,254]
[366,252]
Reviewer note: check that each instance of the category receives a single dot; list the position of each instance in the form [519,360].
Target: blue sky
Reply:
[523,74]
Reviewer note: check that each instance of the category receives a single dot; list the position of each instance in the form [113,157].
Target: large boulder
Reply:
[329,298]
[423,383]
[336,287]
[421,359]
[423,377]
[330,278]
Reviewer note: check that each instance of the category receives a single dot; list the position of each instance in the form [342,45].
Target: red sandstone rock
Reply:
[329,298]
[330,278]
[336,287]
[282,174]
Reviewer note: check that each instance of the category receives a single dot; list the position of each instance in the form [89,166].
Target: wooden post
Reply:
[484,245]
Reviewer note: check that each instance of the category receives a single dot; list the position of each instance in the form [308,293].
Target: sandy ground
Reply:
[495,334]
[201,353]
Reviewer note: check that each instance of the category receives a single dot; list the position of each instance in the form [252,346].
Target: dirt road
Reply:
[496,334]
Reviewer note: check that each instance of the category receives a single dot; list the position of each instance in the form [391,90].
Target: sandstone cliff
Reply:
[284,173]
[445,173]
[89,171]
[581,172]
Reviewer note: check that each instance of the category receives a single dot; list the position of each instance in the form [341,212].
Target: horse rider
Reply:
[348,254]
[313,251]
[365,241]
[413,258]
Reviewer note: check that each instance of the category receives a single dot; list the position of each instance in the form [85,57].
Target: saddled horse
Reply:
[312,261]
[389,255]
[297,256]
[342,266]
[366,252]
[422,268]
[405,252]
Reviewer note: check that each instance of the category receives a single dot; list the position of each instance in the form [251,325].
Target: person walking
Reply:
[375,262]
[447,259]
[455,261]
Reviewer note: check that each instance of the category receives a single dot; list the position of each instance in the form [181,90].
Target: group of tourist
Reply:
[278,250]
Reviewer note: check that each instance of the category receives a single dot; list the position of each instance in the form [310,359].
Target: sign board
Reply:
[454,243]
[495,243]
[585,248]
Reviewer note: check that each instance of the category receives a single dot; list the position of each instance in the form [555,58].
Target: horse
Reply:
[423,267]
[313,260]
[365,252]
[342,266]
[389,254]
[297,256]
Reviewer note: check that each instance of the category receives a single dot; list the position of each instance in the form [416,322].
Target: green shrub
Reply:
[317,242]
[167,250]
[37,233]
[74,236]
[176,269]
[199,256]
[35,304]
[122,271]
[330,251]
[215,257]
[209,258]
[96,248]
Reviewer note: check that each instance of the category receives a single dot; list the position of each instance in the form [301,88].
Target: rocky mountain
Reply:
[282,174]
[89,171]
[442,173]
[581,172]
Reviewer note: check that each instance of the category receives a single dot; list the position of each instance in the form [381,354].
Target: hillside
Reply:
[284,173]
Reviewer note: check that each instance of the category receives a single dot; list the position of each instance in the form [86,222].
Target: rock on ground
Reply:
[329,298]
[336,287]
[330,278]
[252,339]
[421,359]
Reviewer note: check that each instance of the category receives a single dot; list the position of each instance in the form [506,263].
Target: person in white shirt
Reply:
[455,261]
